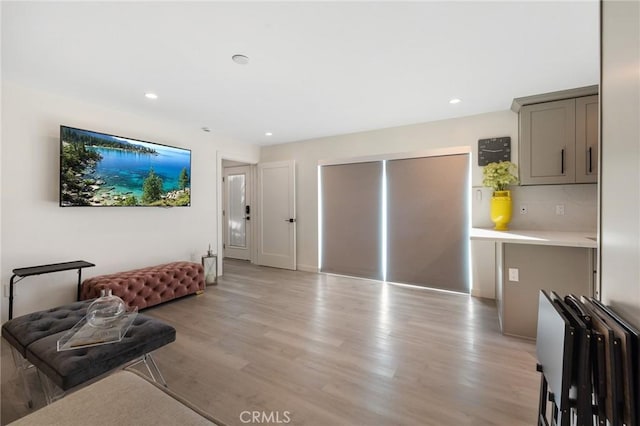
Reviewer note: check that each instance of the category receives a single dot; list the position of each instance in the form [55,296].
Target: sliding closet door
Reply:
[427,228]
[351,215]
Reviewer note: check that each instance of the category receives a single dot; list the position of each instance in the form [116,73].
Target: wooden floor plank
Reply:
[332,350]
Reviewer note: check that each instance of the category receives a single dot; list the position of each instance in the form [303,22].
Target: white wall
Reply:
[620,173]
[579,199]
[439,134]
[36,231]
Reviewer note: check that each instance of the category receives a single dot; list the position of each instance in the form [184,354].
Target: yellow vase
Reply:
[501,209]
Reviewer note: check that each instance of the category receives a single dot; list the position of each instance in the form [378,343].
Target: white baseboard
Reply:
[307,268]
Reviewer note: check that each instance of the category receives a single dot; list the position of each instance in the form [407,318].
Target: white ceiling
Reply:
[316,69]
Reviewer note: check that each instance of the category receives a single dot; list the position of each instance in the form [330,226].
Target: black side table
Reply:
[46,269]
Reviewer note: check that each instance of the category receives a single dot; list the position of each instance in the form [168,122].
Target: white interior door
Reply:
[237,213]
[277,214]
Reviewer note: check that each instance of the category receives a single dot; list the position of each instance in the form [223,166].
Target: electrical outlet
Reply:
[523,209]
[514,274]
[560,209]
[6,290]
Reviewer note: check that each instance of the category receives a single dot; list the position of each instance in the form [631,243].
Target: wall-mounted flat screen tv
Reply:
[97,169]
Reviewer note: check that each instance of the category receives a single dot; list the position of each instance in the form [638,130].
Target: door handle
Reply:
[290,220]
[562,161]
[248,218]
[590,156]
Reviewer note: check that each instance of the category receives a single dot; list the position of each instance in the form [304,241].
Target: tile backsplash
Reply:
[578,201]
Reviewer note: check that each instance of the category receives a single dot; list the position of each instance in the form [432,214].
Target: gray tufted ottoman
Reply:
[70,368]
[35,337]
[22,331]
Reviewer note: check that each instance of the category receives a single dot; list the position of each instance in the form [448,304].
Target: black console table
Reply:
[46,269]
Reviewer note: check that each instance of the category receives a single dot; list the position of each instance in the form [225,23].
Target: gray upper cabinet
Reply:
[548,143]
[587,139]
[558,137]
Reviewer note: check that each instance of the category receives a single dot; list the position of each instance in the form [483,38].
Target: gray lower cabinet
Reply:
[559,142]
[562,269]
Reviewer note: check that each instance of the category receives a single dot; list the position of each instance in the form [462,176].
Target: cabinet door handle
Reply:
[590,156]
[562,161]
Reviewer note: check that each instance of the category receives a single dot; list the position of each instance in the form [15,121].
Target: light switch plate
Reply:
[514,274]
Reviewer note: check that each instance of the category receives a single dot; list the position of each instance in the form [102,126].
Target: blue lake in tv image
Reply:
[126,170]
[104,170]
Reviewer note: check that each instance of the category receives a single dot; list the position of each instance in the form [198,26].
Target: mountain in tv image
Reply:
[104,170]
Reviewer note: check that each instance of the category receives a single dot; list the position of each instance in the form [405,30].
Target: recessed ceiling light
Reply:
[151,95]
[268,134]
[206,129]
[455,101]
[240,59]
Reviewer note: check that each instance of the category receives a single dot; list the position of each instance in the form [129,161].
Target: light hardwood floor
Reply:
[331,350]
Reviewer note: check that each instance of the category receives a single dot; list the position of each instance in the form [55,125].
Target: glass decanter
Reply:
[105,309]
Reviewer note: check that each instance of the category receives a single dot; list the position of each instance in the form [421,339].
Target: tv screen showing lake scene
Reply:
[97,169]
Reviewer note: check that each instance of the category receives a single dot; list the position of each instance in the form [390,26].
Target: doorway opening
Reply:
[237,195]
[401,218]
[244,237]
[256,212]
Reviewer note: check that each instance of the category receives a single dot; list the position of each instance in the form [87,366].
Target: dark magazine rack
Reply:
[589,358]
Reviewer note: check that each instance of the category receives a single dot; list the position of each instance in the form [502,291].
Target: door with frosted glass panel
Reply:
[237,213]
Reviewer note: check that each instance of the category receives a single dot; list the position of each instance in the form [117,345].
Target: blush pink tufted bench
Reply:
[148,286]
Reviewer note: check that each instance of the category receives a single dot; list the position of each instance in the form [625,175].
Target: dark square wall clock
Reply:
[494,150]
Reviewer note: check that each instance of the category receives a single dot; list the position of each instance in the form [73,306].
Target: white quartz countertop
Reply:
[545,238]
